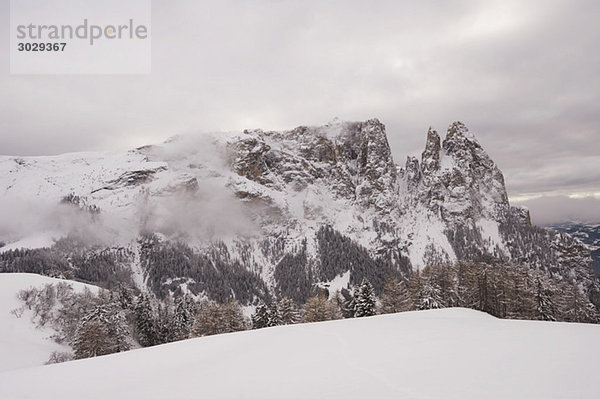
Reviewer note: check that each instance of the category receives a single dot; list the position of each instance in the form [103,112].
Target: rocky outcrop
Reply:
[431,154]
[354,158]
[133,178]
[251,161]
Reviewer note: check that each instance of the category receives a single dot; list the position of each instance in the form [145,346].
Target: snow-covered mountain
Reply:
[447,353]
[290,209]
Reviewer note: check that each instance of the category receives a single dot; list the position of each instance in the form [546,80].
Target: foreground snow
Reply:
[22,344]
[450,353]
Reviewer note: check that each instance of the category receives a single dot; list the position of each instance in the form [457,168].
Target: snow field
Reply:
[448,353]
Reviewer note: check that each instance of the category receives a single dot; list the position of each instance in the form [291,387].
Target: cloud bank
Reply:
[522,75]
[559,209]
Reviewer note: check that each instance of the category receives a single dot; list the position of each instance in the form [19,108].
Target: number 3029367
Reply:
[41,46]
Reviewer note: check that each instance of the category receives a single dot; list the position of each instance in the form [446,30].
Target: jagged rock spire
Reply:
[460,130]
[430,159]
[413,172]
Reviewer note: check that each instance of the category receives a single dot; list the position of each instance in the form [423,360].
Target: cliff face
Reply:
[272,203]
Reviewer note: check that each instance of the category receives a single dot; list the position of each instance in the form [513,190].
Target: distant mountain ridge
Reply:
[257,212]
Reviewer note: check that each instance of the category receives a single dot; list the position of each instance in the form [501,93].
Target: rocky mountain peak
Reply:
[376,161]
[458,131]
[354,160]
[430,158]
[456,177]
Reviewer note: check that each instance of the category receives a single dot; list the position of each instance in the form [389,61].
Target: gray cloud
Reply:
[522,75]
[558,209]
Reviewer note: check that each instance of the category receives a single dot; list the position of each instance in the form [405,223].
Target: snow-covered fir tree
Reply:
[345,302]
[145,321]
[429,296]
[260,317]
[165,322]
[288,314]
[102,331]
[274,318]
[577,308]
[444,277]
[546,309]
[365,301]
[184,317]
[124,297]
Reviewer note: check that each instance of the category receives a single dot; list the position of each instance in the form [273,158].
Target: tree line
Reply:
[119,319]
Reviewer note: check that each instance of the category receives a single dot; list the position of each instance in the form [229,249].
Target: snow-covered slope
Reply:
[449,353]
[22,343]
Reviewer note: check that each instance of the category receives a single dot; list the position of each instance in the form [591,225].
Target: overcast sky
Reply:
[523,75]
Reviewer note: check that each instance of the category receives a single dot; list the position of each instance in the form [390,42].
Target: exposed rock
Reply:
[251,161]
[133,178]
[431,154]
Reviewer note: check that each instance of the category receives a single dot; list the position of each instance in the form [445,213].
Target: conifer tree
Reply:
[91,340]
[318,308]
[207,320]
[118,329]
[345,303]
[577,308]
[167,331]
[395,297]
[213,318]
[429,297]
[287,311]
[444,276]
[466,282]
[364,300]
[145,322]
[102,331]
[232,317]
[124,297]
[415,286]
[274,318]
[184,317]
[260,318]
[545,304]
[520,297]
